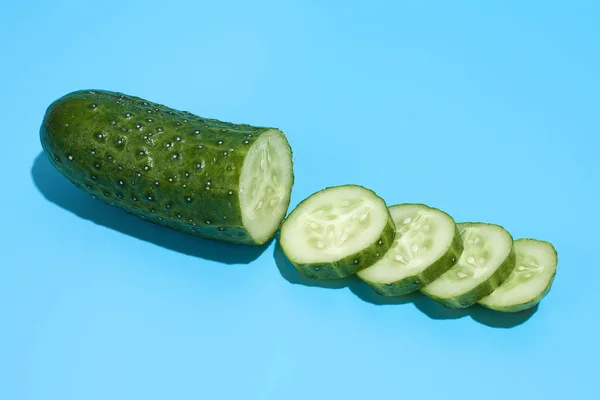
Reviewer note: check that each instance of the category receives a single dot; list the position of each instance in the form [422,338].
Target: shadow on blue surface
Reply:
[429,307]
[58,190]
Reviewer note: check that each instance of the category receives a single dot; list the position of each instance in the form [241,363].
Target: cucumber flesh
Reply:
[427,244]
[265,185]
[487,260]
[530,280]
[337,231]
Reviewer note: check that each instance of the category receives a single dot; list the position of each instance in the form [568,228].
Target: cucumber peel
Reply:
[426,245]
[337,231]
[531,279]
[487,260]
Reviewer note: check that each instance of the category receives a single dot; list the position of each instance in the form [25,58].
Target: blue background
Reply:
[488,110]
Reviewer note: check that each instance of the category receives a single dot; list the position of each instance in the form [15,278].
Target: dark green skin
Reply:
[428,275]
[484,288]
[166,166]
[352,264]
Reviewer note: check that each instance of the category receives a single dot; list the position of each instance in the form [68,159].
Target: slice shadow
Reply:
[423,303]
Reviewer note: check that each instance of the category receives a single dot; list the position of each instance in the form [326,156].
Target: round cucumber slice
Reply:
[531,279]
[427,244]
[487,260]
[337,231]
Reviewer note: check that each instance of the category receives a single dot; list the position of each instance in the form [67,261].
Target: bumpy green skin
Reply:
[352,264]
[166,166]
[484,288]
[428,275]
[529,304]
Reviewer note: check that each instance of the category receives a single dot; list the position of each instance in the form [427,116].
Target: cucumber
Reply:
[205,177]
[487,260]
[337,231]
[427,244]
[531,279]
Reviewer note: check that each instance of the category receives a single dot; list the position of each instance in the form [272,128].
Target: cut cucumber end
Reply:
[487,261]
[266,183]
[530,280]
[337,231]
[426,245]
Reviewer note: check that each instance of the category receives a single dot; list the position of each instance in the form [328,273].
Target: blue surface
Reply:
[488,111]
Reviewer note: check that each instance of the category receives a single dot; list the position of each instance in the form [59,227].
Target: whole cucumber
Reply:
[209,178]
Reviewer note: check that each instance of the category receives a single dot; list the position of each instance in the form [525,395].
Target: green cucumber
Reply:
[531,279]
[427,244]
[205,177]
[337,231]
[487,260]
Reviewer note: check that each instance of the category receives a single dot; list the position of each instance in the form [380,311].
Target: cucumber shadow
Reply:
[497,319]
[423,303]
[478,313]
[58,190]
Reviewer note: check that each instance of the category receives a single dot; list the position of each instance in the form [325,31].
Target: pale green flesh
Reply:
[534,271]
[423,235]
[333,224]
[265,184]
[486,247]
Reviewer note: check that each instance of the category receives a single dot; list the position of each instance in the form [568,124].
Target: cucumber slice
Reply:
[487,260]
[337,231]
[531,279]
[427,244]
